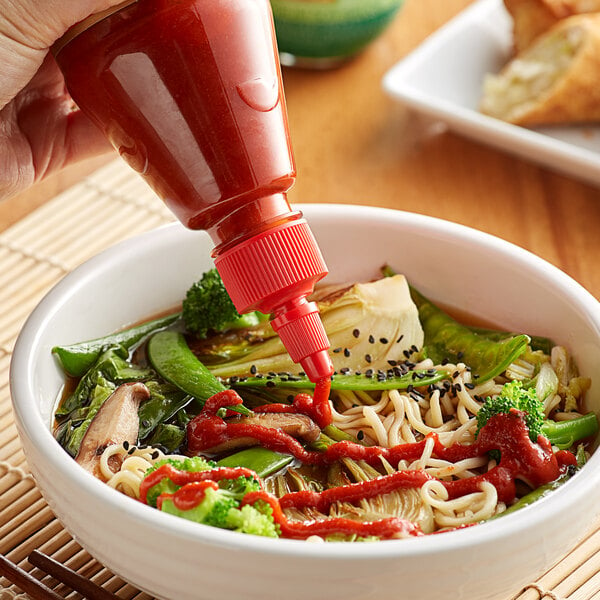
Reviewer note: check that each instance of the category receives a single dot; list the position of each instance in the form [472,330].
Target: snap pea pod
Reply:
[76,359]
[445,339]
[112,366]
[535,495]
[173,360]
[537,342]
[345,382]
[564,434]
[260,460]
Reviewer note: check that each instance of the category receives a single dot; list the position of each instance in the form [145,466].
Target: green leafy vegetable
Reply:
[76,359]
[77,411]
[368,324]
[164,402]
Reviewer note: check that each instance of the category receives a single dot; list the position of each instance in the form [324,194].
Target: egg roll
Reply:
[555,80]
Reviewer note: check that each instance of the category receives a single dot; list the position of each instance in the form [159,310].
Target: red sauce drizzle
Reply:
[195,484]
[383,528]
[182,477]
[317,406]
[534,463]
[188,496]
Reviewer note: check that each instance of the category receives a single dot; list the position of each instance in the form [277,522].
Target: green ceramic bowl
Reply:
[325,32]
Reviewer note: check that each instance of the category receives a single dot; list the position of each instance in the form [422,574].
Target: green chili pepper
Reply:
[76,359]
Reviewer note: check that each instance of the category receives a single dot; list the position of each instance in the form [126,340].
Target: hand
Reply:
[40,129]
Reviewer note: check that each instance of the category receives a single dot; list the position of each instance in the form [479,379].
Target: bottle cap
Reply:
[273,272]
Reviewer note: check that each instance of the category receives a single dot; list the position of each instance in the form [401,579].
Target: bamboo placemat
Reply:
[107,207]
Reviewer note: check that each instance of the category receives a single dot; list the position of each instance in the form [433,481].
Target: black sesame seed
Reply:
[445,361]
[360,435]
[253,369]
[400,339]
[344,370]
[469,386]
[346,352]
[384,340]
[458,387]
[368,358]
[125,445]
[131,450]
[337,350]
[371,339]
[392,363]
[414,348]
[356,333]
[154,455]
[270,384]
[369,372]
[455,374]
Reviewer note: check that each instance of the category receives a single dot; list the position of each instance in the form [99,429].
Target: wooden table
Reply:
[355,145]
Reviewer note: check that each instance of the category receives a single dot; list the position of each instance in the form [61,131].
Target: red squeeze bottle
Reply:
[190,94]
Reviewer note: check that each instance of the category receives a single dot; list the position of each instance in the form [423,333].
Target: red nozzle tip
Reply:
[317,366]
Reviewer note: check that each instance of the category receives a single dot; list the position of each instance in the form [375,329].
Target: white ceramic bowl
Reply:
[177,560]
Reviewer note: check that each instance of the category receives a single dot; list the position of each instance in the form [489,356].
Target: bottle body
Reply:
[190,94]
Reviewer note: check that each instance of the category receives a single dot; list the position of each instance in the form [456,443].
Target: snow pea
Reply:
[173,360]
[537,342]
[564,434]
[76,359]
[446,339]
[345,381]
[536,494]
[260,460]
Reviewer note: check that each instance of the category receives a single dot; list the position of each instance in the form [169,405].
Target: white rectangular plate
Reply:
[443,78]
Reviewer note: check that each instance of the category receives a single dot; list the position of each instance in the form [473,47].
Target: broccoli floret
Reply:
[219,507]
[207,307]
[514,396]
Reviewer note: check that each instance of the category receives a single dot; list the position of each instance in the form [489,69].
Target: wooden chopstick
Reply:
[73,579]
[26,582]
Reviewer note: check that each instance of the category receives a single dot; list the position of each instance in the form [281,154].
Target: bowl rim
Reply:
[31,423]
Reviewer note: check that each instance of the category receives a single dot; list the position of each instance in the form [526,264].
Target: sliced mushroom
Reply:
[297,425]
[116,422]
